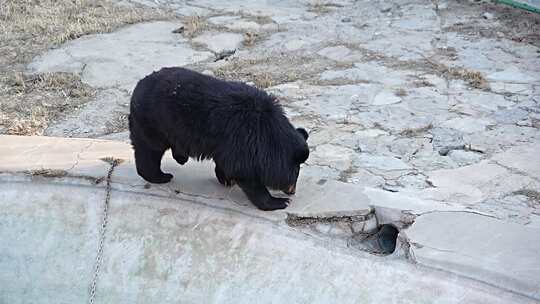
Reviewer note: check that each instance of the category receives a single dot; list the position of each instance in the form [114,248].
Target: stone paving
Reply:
[425,111]
[395,96]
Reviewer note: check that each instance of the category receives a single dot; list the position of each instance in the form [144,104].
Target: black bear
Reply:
[243,129]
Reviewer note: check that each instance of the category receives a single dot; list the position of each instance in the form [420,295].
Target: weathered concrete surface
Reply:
[464,243]
[415,109]
[177,240]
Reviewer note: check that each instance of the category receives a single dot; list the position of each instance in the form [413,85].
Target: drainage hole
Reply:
[386,238]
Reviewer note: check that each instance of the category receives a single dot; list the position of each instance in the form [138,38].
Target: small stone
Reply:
[465,157]
[179,30]
[294,45]
[208,72]
[220,42]
[331,155]
[488,16]
[524,123]
[386,7]
[337,53]
[367,226]
[387,163]
[385,98]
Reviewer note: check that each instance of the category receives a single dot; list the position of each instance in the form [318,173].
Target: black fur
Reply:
[243,129]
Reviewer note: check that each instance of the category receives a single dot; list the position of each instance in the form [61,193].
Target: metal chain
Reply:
[99,256]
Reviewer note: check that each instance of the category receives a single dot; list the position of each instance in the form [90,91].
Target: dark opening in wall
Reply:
[386,238]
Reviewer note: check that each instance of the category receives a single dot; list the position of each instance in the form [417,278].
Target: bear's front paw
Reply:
[160,179]
[227,182]
[275,203]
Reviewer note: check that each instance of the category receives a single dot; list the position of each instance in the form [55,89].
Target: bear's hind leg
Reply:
[261,198]
[148,163]
[220,175]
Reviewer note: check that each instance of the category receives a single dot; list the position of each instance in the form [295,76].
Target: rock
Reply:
[208,72]
[336,53]
[488,16]
[235,23]
[370,133]
[446,139]
[413,181]
[242,25]
[321,174]
[368,226]
[294,45]
[385,98]
[220,42]
[468,124]
[512,75]
[386,163]
[463,158]
[386,7]
[510,116]
[475,183]
[365,178]
[333,156]
[521,158]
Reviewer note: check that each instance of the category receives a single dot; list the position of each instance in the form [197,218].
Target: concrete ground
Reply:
[432,100]
[195,241]
[423,114]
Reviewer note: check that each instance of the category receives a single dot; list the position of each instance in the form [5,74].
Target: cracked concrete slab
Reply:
[479,247]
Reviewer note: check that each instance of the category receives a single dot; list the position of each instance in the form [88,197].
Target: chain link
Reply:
[99,256]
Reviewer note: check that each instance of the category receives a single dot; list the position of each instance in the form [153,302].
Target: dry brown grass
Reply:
[412,132]
[117,124]
[193,25]
[28,28]
[474,79]
[30,102]
[322,7]
[532,195]
[271,71]
[250,38]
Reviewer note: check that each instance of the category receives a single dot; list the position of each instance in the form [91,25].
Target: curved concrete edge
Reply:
[160,249]
[437,235]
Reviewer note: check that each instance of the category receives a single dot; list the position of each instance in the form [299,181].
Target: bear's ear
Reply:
[303,132]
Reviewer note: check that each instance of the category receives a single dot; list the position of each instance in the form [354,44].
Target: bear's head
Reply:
[300,156]
[261,144]
[281,162]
